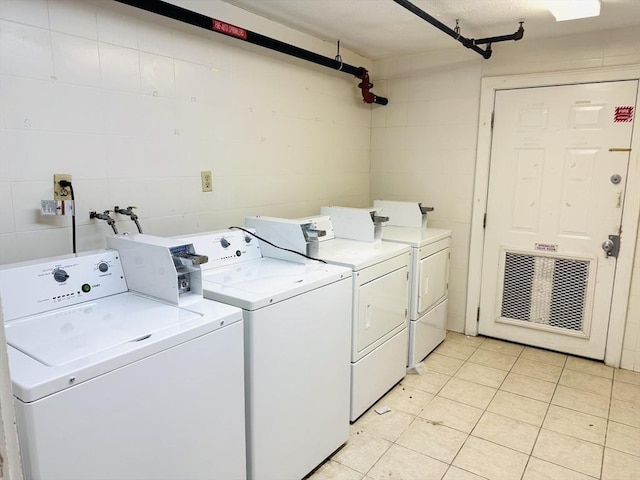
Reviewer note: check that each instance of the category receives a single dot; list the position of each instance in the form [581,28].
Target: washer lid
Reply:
[416,237]
[75,333]
[259,283]
[358,255]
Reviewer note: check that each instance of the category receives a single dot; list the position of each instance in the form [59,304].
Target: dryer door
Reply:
[381,310]
[433,280]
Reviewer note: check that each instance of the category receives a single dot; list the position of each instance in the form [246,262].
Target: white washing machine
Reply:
[379,272]
[297,338]
[111,384]
[430,254]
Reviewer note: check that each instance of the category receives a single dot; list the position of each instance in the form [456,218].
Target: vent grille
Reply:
[545,290]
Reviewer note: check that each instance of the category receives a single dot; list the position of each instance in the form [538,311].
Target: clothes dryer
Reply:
[379,273]
[297,337]
[109,383]
[430,256]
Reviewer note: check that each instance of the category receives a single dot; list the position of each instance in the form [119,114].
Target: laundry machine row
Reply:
[112,383]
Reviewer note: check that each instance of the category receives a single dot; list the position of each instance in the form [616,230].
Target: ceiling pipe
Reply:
[455,34]
[208,23]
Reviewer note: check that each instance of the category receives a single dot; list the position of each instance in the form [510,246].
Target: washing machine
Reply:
[112,384]
[297,338]
[379,274]
[429,273]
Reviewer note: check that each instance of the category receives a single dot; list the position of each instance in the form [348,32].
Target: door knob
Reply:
[611,246]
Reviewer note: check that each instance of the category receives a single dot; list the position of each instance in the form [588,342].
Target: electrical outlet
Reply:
[61,193]
[207,180]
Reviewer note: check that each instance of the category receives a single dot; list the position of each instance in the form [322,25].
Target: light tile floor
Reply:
[488,409]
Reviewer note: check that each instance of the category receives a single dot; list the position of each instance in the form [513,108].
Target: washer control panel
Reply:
[31,287]
[226,247]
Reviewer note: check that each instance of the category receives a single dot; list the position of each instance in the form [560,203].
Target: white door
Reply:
[559,161]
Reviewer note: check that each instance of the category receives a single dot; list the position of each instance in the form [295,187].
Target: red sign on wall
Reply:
[623,114]
[229,29]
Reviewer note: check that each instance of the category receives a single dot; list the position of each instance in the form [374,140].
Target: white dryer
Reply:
[112,384]
[430,254]
[379,272]
[297,335]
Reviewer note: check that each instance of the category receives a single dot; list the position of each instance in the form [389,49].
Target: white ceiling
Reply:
[381,28]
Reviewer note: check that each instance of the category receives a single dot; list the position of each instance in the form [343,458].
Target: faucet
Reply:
[106,217]
[129,211]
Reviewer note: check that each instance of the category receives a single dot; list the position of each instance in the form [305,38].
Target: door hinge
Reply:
[406,313]
[493,117]
[478,315]
[484,221]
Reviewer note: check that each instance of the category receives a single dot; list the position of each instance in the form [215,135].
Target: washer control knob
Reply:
[103,267]
[247,239]
[224,242]
[60,275]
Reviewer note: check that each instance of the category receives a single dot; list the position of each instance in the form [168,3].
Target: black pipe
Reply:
[441,26]
[208,23]
[502,38]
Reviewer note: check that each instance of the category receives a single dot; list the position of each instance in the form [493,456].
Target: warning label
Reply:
[623,114]
[229,29]
[546,247]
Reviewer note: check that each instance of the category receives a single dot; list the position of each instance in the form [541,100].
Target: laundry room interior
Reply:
[195,130]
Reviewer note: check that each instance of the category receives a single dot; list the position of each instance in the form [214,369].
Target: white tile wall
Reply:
[431,158]
[134,109]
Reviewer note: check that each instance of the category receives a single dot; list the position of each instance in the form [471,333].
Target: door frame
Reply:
[631,210]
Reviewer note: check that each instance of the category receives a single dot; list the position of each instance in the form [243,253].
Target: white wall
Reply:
[423,144]
[134,106]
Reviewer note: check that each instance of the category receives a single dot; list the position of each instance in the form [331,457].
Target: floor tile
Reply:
[576,424]
[540,470]
[455,473]
[455,350]
[528,387]
[406,399]
[362,451]
[586,382]
[544,356]
[464,339]
[626,392]
[581,401]
[626,376]
[442,364]
[400,463]
[335,471]
[623,438]
[502,347]
[625,412]
[507,432]
[518,407]
[442,411]
[620,466]
[468,393]
[475,452]
[473,372]
[569,452]
[436,441]
[539,370]
[430,382]
[388,426]
[589,366]
[493,359]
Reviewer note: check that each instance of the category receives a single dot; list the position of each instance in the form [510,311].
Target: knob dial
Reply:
[60,275]
[247,239]
[103,267]
[224,242]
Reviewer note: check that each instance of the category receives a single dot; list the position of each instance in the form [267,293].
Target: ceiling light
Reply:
[573,9]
